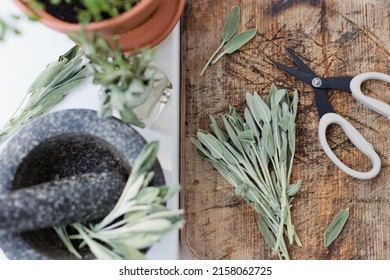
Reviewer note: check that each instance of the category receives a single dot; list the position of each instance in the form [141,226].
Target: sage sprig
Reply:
[48,89]
[8,26]
[229,43]
[335,227]
[124,78]
[138,220]
[255,154]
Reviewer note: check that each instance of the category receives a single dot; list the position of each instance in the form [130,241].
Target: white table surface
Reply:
[24,56]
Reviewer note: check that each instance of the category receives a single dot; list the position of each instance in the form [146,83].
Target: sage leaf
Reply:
[295,103]
[246,136]
[231,24]
[278,96]
[283,122]
[213,145]
[216,130]
[336,226]
[268,237]
[201,151]
[253,109]
[262,108]
[294,188]
[271,93]
[232,134]
[251,123]
[237,42]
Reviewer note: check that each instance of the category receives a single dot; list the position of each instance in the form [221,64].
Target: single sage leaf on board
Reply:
[231,24]
[336,226]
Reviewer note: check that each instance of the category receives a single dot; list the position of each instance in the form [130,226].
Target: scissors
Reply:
[328,116]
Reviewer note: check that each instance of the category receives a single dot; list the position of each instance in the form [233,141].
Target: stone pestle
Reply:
[79,198]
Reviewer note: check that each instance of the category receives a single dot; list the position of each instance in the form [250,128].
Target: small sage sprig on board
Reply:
[336,226]
[48,89]
[138,220]
[230,43]
[255,154]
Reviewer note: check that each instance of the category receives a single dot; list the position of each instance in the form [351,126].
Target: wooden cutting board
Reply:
[337,38]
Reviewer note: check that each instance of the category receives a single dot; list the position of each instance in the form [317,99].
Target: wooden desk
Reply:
[337,38]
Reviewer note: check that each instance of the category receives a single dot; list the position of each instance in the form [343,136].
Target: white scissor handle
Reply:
[356,138]
[372,103]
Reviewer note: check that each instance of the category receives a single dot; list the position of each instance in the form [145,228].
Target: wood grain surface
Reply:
[335,37]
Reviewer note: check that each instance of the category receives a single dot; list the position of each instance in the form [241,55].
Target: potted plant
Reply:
[139,23]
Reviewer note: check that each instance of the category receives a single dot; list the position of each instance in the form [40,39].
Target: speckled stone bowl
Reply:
[64,144]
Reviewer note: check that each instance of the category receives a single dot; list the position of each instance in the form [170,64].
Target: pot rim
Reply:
[60,25]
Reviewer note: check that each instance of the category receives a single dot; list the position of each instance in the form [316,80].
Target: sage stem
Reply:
[211,58]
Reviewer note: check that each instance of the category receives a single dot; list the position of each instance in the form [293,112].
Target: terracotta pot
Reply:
[145,24]
[125,21]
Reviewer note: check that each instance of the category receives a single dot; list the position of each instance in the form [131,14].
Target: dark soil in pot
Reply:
[64,11]
[68,11]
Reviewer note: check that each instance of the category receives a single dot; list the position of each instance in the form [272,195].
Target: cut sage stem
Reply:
[336,226]
[229,29]
[255,154]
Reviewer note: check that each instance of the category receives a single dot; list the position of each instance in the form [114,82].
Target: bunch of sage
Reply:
[138,220]
[229,43]
[49,88]
[255,154]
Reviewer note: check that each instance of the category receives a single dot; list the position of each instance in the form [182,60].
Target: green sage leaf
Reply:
[231,24]
[212,144]
[232,134]
[251,123]
[295,103]
[278,96]
[283,122]
[236,43]
[336,226]
[262,108]
[239,40]
[250,100]
[294,188]
[246,136]
[216,130]
[271,93]
[264,229]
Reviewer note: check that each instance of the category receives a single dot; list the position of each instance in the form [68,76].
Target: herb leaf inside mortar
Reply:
[138,220]
[255,154]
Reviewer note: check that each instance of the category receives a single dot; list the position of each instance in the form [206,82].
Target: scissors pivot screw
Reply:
[316,82]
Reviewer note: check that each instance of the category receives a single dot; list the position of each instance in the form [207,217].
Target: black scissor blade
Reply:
[305,77]
[322,102]
[298,61]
